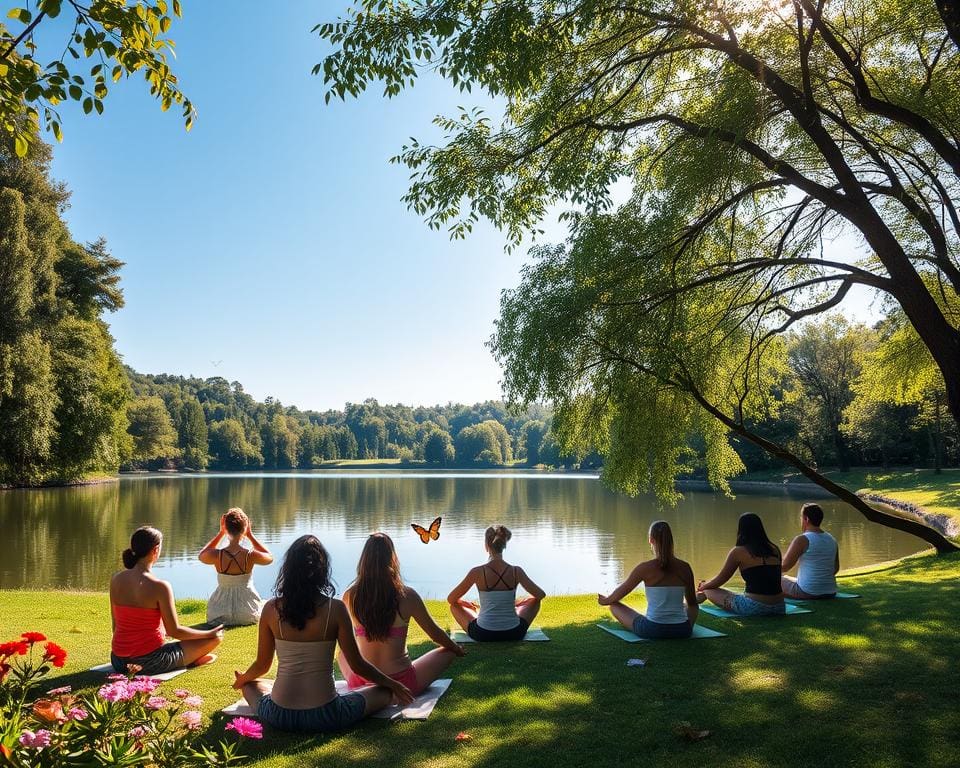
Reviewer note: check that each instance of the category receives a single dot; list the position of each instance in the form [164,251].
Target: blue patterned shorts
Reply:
[745,606]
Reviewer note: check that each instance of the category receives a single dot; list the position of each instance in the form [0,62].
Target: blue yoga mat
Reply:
[715,610]
[838,596]
[699,633]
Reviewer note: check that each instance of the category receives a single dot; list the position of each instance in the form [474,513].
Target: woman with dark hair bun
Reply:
[500,616]
[235,602]
[143,614]
[381,607]
[760,564]
[303,625]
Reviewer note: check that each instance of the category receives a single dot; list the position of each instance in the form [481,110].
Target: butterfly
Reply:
[426,534]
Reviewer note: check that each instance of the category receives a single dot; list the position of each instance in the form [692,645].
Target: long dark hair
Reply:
[144,539]
[303,582]
[378,590]
[662,538]
[751,534]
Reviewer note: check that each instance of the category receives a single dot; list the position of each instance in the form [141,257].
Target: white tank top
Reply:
[815,575]
[498,610]
[665,604]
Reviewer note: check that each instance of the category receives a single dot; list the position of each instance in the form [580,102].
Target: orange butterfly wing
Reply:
[422,532]
[426,534]
[435,528]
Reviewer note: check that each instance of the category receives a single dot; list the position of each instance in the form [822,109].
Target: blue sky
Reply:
[269,245]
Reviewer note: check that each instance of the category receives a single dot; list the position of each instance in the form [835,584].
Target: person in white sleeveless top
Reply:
[499,616]
[235,602]
[303,625]
[672,606]
[818,556]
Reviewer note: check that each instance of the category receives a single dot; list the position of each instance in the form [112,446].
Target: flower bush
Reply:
[127,722]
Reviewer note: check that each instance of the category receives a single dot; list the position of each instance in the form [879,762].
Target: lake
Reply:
[570,533]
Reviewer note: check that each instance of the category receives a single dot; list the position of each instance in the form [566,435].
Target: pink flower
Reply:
[78,713]
[144,684]
[244,726]
[193,701]
[181,693]
[119,690]
[156,702]
[137,733]
[37,740]
[59,691]
[191,719]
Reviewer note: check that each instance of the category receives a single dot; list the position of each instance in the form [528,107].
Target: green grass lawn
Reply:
[871,682]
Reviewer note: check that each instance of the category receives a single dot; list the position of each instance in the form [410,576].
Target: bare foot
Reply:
[701,597]
[208,658]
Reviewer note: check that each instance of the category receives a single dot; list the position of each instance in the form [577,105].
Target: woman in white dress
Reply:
[235,601]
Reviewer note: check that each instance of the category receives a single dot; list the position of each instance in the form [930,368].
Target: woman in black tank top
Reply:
[759,561]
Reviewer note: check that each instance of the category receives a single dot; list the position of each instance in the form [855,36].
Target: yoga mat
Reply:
[534,635]
[418,709]
[699,633]
[108,668]
[838,596]
[715,610]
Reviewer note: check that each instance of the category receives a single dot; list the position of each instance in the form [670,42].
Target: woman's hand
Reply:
[216,632]
[401,693]
[247,530]
[700,585]
[458,651]
[239,680]
[602,599]
[223,524]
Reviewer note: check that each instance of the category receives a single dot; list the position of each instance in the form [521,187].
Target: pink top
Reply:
[397,631]
[136,631]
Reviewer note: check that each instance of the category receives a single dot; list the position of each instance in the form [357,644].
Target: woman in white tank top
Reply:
[672,606]
[499,616]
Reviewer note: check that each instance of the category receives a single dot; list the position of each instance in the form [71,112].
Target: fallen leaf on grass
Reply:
[75,630]
[684,730]
[464,736]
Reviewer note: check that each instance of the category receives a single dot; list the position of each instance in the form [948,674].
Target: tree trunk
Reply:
[933,537]
[950,13]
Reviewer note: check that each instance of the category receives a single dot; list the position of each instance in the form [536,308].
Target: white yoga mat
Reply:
[419,709]
[108,669]
[534,635]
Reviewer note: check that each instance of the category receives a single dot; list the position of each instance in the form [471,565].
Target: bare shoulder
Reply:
[686,571]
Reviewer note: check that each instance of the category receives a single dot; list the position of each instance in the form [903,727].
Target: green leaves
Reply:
[20,14]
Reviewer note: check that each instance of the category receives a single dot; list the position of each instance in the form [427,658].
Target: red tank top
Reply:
[137,631]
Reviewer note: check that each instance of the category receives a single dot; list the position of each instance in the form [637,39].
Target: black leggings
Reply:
[482,635]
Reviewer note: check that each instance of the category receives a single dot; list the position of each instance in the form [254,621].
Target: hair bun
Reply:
[129,558]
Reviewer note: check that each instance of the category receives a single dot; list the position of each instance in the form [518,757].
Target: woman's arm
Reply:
[690,593]
[171,622]
[209,554]
[729,568]
[528,584]
[266,645]
[362,667]
[629,584]
[461,589]
[420,615]
[260,554]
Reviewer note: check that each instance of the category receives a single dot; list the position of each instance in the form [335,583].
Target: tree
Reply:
[750,134]
[119,39]
[438,448]
[531,437]
[478,444]
[193,435]
[229,446]
[505,451]
[154,436]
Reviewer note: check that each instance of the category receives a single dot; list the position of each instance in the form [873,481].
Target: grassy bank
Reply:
[871,682]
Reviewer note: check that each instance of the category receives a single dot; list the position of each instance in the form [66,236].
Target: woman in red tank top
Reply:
[143,615]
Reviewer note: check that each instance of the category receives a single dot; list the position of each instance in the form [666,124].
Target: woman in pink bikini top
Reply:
[381,607]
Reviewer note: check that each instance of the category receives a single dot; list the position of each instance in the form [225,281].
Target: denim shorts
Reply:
[745,606]
[336,715]
[652,630]
[481,635]
[165,659]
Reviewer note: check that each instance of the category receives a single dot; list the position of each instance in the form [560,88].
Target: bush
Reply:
[127,722]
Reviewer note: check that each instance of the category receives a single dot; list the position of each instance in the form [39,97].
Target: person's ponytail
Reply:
[144,539]
[662,538]
[497,537]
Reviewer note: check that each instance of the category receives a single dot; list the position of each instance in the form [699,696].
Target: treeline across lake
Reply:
[193,423]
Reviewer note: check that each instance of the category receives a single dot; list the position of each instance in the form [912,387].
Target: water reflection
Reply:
[570,533]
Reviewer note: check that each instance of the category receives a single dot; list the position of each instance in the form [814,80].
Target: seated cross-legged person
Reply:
[818,555]
[500,616]
[303,625]
[143,615]
[381,607]
[672,605]
[758,560]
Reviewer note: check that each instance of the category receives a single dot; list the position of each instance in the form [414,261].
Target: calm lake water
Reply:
[570,533]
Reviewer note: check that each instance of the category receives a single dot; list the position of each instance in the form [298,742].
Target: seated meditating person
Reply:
[500,616]
[144,615]
[759,562]
[303,625]
[381,607]
[672,605]
[818,555]
[235,602]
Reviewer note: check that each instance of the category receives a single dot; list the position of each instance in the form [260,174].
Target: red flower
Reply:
[34,637]
[14,647]
[54,654]
[4,670]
